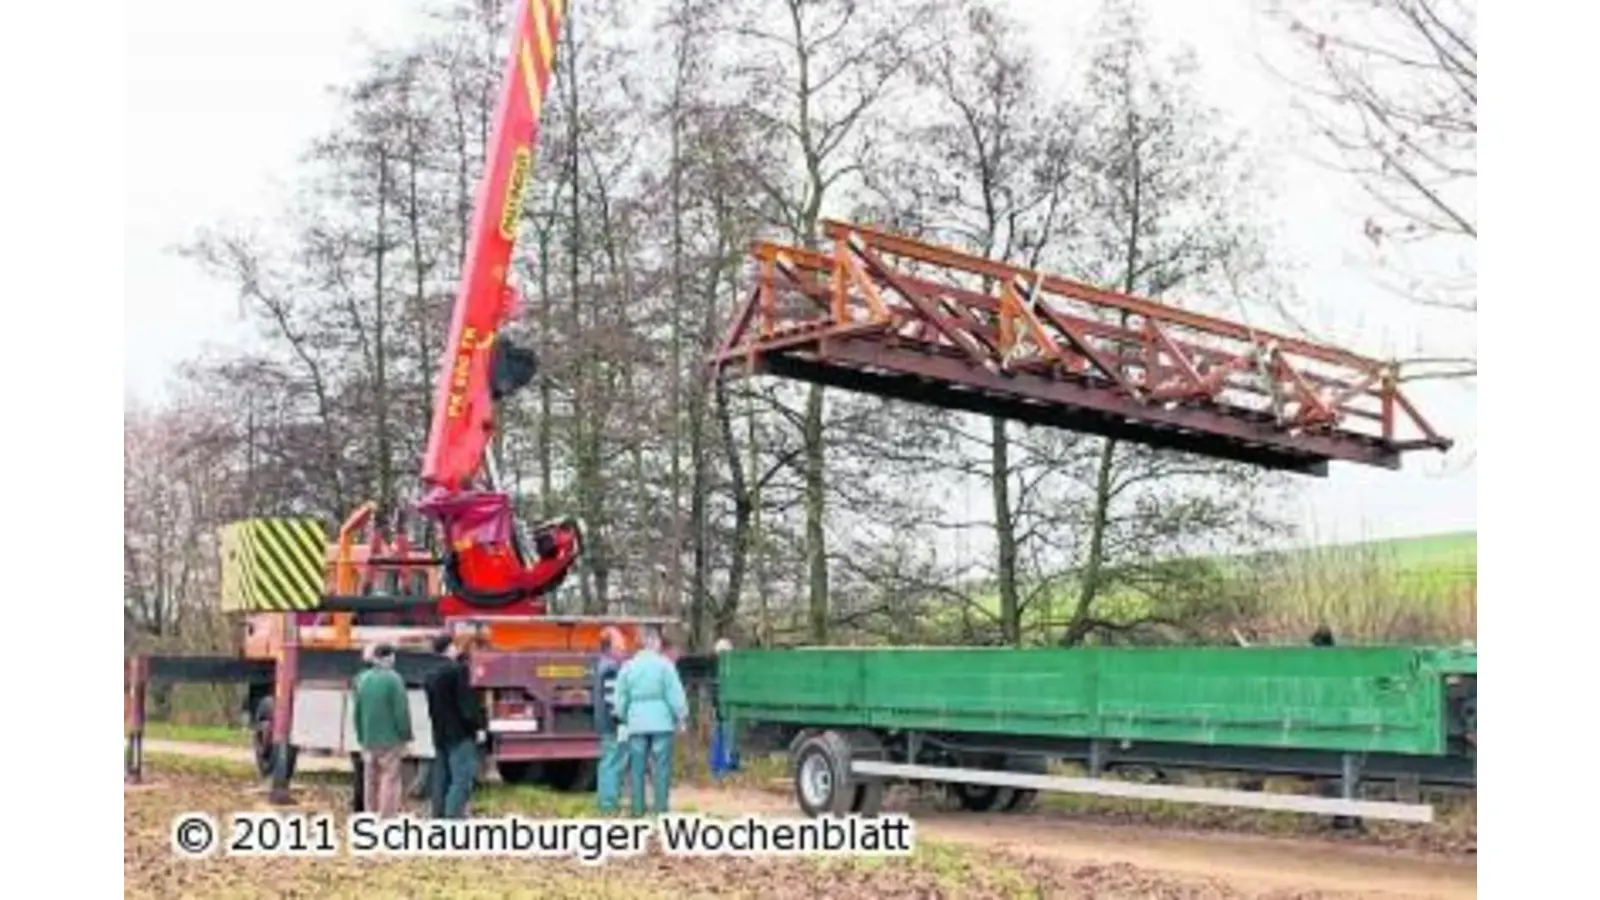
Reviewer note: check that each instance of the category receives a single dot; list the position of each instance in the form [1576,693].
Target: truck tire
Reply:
[261,739]
[565,775]
[518,771]
[570,775]
[822,783]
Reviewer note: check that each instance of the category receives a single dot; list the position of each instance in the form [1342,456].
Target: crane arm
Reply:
[485,561]
[478,365]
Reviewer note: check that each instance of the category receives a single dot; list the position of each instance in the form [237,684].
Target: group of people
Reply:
[639,708]
[383,729]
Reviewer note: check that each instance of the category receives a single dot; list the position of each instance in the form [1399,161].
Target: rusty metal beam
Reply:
[955,385]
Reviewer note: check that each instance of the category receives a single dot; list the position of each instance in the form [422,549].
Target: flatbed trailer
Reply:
[986,723]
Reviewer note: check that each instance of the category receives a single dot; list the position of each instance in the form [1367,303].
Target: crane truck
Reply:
[310,604]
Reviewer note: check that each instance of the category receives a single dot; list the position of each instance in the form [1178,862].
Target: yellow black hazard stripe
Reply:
[273,565]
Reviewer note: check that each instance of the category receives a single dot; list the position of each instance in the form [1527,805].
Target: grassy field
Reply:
[1416,589]
[197,734]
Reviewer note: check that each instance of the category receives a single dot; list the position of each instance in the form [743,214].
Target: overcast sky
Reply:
[222,97]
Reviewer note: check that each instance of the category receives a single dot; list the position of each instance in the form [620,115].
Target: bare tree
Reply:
[1392,90]
[812,74]
[989,173]
[1167,215]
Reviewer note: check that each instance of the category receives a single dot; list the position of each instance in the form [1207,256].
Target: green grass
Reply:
[1455,550]
[1415,588]
[1424,564]
[197,734]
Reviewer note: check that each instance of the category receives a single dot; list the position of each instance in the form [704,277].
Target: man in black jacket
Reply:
[603,693]
[457,719]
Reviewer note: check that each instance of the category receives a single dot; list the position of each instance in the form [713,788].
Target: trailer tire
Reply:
[869,791]
[822,784]
[1024,799]
[980,797]
[261,740]
[869,798]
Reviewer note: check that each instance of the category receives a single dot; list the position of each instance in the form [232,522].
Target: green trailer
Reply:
[986,722]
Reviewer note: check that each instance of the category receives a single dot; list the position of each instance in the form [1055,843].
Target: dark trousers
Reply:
[451,778]
[358,768]
[652,751]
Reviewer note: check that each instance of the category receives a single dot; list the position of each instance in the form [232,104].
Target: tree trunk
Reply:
[380,383]
[816,549]
[1005,535]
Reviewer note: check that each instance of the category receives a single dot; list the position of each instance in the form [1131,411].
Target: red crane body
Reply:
[486,566]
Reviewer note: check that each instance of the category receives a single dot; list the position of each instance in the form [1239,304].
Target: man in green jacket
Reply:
[383,729]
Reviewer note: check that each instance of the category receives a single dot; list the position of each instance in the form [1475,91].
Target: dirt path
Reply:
[1253,863]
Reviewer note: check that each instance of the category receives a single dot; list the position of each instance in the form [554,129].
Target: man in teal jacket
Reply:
[651,705]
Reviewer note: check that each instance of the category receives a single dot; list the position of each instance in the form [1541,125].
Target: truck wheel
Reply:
[822,775]
[570,775]
[518,772]
[261,739]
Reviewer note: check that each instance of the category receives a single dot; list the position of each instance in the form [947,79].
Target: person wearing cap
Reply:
[603,690]
[651,706]
[383,729]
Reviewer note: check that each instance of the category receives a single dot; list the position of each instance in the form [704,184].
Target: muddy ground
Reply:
[1048,854]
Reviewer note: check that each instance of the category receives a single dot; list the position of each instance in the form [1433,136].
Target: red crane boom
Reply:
[486,564]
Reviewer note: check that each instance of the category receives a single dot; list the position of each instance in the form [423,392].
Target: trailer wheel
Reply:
[869,791]
[1024,799]
[822,775]
[981,797]
[869,798]
[261,739]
